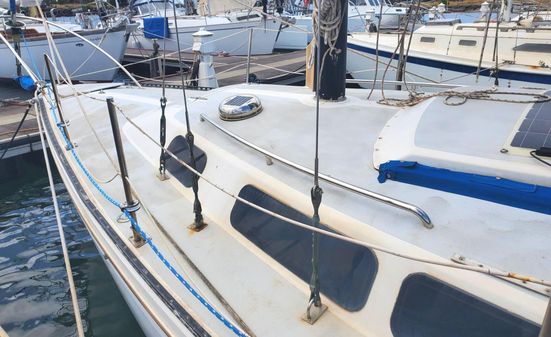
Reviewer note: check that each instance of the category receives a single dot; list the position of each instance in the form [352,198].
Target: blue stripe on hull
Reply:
[503,74]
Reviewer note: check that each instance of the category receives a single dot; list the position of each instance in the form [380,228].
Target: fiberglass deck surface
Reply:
[224,260]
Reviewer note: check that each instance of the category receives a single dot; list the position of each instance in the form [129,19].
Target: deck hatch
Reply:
[347,271]
[429,307]
[180,148]
[535,130]
[239,107]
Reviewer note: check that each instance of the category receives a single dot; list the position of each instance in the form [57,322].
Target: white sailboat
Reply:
[451,52]
[256,265]
[230,29]
[83,62]
[433,214]
[361,15]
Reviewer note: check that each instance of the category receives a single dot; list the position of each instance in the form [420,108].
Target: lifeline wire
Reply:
[143,234]
[483,270]
[316,191]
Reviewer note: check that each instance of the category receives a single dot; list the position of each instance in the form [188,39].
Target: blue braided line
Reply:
[182,280]
[144,235]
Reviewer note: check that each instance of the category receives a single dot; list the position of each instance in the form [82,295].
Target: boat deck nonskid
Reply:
[242,278]
[252,283]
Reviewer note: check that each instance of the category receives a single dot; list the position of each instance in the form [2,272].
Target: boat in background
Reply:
[230,29]
[451,52]
[83,62]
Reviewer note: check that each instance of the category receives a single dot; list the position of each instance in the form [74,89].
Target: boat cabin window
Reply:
[179,147]
[248,17]
[468,43]
[427,39]
[346,270]
[429,307]
[155,7]
[534,47]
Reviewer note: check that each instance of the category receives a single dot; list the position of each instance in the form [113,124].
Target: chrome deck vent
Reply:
[239,107]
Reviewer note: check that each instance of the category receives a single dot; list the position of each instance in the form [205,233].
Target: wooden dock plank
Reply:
[26,138]
[232,69]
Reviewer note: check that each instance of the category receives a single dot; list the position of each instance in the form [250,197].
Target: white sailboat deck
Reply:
[268,296]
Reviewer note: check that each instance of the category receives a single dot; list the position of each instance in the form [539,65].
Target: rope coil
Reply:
[484,95]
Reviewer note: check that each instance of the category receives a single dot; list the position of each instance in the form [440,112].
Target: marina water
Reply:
[34,292]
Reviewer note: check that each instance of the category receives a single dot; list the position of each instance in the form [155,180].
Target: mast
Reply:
[333,16]
[506,9]
[15,35]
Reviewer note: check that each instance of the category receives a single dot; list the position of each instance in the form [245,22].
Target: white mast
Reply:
[506,8]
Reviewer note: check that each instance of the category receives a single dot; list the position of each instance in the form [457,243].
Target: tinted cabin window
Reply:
[428,307]
[427,39]
[180,148]
[468,43]
[346,271]
[534,47]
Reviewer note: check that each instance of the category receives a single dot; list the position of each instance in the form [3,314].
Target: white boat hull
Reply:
[83,62]
[442,70]
[297,36]
[231,38]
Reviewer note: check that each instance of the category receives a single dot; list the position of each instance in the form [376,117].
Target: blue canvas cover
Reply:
[156,28]
[503,191]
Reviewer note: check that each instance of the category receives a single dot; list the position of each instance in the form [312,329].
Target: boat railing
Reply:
[417,211]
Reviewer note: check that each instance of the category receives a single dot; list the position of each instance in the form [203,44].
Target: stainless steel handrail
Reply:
[422,215]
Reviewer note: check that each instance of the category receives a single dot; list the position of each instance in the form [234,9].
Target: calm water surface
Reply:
[34,294]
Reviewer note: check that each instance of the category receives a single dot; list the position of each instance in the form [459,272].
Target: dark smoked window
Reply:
[534,47]
[180,148]
[427,39]
[427,307]
[468,43]
[346,270]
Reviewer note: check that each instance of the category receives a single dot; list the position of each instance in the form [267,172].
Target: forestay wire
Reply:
[198,222]
[316,191]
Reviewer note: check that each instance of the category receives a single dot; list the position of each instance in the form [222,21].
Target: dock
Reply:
[12,109]
[277,68]
[27,138]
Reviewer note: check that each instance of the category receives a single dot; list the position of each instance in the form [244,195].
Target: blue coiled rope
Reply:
[148,240]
